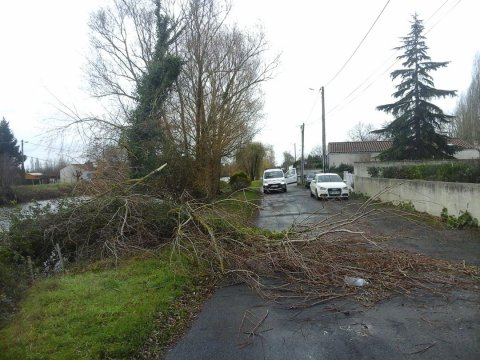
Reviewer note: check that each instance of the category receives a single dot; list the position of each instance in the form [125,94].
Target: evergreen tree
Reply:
[8,145]
[415,131]
[144,138]
[10,158]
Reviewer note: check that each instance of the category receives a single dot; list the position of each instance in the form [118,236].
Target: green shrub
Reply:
[451,172]
[341,168]
[465,219]
[13,280]
[373,171]
[406,205]
[239,181]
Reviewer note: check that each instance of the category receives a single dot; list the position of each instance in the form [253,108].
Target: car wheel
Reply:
[316,195]
[265,191]
[285,189]
[311,194]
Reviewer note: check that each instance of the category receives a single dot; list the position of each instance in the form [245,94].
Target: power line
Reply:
[342,105]
[348,60]
[358,46]
[444,16]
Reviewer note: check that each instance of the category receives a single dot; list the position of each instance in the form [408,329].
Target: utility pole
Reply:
[324,145]
[303,162]
[23,160]
[295,152]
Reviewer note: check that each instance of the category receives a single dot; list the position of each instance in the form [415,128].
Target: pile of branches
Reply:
[308,264]
[113,219]
[311,263]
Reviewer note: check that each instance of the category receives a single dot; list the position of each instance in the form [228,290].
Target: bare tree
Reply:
[122,41]
[288,160]
[363,132]
[250,158]
[269,158]
[467,121]
[219,99]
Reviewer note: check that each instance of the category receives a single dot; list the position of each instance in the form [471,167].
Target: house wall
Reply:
[427,196]
[335,159]
[468,154]
[67,174]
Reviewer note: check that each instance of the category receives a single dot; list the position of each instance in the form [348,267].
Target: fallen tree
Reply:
[310,263]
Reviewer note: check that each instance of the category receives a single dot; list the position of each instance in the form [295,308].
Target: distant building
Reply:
[34,178]
[76,172]
[350,152]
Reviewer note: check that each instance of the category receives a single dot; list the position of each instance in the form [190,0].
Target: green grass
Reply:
[244,201]
[103,313]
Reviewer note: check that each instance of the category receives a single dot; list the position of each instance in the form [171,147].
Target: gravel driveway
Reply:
[419,326]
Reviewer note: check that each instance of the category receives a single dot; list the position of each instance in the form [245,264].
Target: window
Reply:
[329,178]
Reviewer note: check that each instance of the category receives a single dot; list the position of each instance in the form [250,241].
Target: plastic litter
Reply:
[355,281]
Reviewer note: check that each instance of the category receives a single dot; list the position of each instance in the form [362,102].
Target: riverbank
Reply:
[130,306]
[28,193]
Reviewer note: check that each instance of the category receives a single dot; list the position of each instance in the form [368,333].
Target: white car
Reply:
[274,180]
[328,186]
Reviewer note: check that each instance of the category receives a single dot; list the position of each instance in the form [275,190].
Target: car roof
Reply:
[267,170]
[327,174]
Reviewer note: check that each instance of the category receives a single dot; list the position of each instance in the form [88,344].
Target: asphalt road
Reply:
[417,327]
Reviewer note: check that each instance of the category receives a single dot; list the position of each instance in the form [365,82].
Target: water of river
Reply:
[6,212]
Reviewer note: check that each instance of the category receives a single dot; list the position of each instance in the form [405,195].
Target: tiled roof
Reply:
[359,146]
[379,146]
[460,143]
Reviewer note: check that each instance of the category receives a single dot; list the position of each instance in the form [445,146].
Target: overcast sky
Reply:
[44,45]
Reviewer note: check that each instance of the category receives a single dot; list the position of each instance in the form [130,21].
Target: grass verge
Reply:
[100,313]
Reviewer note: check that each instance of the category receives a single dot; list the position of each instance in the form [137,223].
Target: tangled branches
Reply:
[310,263]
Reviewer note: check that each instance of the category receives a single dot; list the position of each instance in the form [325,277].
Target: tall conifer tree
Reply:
[8,144]
[416,129]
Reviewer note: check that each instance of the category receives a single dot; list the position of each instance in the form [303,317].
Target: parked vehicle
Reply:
[308,179]
[328,186]
[291,176]
[274,180]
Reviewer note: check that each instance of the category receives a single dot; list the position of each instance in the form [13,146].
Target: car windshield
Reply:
[329,178]
[273,174]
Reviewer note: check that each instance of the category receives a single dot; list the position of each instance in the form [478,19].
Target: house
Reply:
[75,172]
[351,152]
[34,178]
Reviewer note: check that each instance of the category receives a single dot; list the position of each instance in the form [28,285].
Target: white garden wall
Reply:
[427,196]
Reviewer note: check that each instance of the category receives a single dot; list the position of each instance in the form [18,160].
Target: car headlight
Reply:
[323,188]
[345,188]
[282,182]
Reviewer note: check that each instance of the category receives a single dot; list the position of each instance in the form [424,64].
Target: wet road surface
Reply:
[400,328]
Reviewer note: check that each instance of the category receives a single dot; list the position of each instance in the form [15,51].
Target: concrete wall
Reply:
[468,154]
[427,196]
[335,159]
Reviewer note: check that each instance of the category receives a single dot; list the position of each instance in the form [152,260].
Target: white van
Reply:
[291,176]
[274,180]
